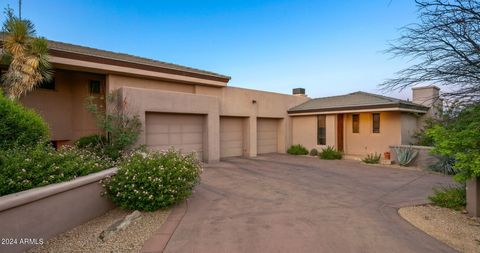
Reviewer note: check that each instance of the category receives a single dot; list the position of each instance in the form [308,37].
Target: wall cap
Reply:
[20,198]
[411,146]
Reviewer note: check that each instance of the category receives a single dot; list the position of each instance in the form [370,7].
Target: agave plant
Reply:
[405,155]
[25,54]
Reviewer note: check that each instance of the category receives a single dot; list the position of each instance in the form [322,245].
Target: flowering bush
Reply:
[149,181]
[26,167]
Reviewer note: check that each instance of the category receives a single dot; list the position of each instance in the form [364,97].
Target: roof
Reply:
[355,101]
[66,50]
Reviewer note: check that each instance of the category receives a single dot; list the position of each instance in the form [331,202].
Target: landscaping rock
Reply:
[120,225]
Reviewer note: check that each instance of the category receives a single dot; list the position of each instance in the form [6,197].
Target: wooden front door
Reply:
[340,132]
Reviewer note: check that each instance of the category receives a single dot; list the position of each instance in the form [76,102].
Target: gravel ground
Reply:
[84,238]
[451,227]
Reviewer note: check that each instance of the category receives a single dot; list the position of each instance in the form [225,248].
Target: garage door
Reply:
[182,131]
[231,136]
[267,135]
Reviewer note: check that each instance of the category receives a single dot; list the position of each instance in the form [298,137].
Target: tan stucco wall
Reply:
[366,141]
[64,108]
[304,131]
[116,81]
[409,123]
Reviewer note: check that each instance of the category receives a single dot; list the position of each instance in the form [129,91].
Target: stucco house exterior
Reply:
[195,110]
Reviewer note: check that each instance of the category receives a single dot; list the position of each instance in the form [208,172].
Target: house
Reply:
[362,123]
[195,110]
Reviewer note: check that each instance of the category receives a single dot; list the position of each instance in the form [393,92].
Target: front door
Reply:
[340,132]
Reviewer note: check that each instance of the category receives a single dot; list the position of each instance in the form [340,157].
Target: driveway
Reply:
[282,203]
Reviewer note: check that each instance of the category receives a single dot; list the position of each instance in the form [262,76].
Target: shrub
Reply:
[314,152]
[459,139]
[452,197]
[26,167]
[19,125]
[405,156]
[372,158]
[444,165]
[297,150]
[149,181]
[122,127]
[330,153]
[90,141]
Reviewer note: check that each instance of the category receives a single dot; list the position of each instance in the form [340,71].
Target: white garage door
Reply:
[182,131]
[231,136]
[267,135]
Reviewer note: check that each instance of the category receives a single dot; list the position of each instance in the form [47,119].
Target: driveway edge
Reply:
[159,240]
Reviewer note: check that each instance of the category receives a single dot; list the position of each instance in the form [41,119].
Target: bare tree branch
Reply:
[445,46]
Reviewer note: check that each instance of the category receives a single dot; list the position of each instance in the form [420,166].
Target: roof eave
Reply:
[347,109]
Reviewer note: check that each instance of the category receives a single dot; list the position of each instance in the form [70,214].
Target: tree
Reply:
[25,54]
[459,139]
[445,46]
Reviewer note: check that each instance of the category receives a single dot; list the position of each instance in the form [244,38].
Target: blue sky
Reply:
[328,47]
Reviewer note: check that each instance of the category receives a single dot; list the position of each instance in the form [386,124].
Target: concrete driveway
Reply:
[282,203]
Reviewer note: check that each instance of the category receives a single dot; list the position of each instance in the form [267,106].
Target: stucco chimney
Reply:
[299,92]
[426,95]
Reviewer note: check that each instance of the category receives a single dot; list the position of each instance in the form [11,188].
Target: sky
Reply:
[328,47]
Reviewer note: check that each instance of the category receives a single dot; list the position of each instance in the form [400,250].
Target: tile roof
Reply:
[126,58]
[354,101]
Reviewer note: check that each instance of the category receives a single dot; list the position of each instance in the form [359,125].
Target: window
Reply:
[94,87]
[321,132]
[356,123]
[48,85]
[376,123]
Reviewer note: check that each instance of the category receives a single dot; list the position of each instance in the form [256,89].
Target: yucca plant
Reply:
[25,54]
[405,156]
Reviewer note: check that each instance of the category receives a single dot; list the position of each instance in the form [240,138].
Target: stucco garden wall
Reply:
[41,213]
[424,158]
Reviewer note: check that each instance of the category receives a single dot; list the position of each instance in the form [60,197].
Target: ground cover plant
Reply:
[372,158]
[297,150]
[330,153]
[27,167]
[451,197]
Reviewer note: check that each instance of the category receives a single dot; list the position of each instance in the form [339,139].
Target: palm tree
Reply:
[25,54]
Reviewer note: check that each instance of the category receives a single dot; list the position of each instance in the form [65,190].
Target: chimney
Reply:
[426,95]
[299,92]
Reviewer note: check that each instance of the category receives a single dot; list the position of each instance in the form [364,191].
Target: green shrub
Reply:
[330,153]
[26,167]
[372,158]
[19,125]
[297,150]
[90,141]
[149,181]
[452,197]
[405,156]
[314,152]
[121,125]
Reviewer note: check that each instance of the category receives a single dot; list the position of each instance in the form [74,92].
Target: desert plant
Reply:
[297,150]
[19,125]
[121,126]
[330,153]
[149,181]
[314,152]
[405,155]
[372,158]
[449,197]
[25,54]
[90,141]
[26,167]
[445,165]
